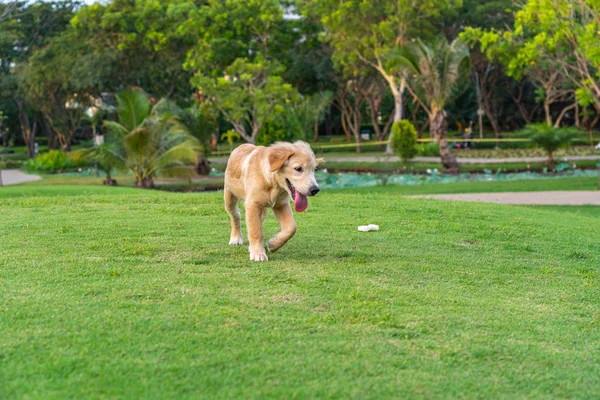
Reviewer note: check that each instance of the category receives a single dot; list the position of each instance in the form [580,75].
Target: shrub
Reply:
[404,140]
[78,160]
[549,138]
[428,150]
[54,161]
[278,128]
[11,164]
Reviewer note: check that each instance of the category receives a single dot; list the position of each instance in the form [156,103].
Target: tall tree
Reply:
[46,81]
[229,30]
[557,41]
[136,44]
[489,79]
[366,32]
[435,70]
[526,56]
[27,28]
[247,95]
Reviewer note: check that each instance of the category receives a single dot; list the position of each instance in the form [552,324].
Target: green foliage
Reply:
[248,94]
[279,128]
[136,43]
[229,30]
[430,149]
[364,34]
[198,121]
[231,136]
[435,69]
[11,164]
[147,142]
[553,43]
[404,140]
[54,161]
[358,30]
[548,137]
[303,113]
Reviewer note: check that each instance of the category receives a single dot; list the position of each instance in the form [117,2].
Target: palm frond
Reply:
[166,106]
[139,142]
[114,131]
[436,68]
[403,58]
[133,108]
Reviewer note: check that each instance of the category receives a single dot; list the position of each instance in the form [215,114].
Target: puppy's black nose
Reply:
[314,190]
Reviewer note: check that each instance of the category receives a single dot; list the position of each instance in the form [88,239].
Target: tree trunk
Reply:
[27,131]
[357,137]
[316,135]
[398,93]
[213,142]
[145,183]
[439,127]
[345,128]
[202,166]
[109,181]
[547,112]
[30,142]
[564,112]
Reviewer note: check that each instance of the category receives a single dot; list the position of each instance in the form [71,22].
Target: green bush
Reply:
[277,129]
[428,150]
[54,161]
[549,138]
[11,164]
[404,140]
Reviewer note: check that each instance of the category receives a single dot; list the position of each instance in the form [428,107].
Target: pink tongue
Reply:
[300,202]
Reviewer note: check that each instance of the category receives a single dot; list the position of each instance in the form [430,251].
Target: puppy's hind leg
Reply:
[231,206]
[285,217]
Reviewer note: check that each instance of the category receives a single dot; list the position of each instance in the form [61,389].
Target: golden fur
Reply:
[258,175]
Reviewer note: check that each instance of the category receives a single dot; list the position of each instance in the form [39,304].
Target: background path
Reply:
[568,198]
[14,176]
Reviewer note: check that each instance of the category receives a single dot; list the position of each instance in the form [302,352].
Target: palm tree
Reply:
[147,142]
[198,121]
[434,71]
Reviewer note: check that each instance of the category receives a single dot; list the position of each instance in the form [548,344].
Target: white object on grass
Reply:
[368,228]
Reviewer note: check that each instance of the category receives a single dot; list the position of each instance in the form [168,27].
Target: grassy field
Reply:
[534,185]
[122,293]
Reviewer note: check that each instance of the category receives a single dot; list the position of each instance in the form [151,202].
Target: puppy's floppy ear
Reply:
[278,156]
[319,160]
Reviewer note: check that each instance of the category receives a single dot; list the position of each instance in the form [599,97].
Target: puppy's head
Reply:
[294,168]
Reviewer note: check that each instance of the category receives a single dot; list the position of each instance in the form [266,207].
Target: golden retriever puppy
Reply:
[267,177]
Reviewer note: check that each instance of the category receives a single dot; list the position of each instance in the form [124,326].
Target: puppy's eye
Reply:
[299,169]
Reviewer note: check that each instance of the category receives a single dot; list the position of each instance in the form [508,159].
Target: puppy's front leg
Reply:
[255,215]
[285,217]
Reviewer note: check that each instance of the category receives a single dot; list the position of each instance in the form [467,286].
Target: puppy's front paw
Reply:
[236,241]
[258,256]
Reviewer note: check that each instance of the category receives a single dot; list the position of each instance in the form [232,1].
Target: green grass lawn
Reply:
[123,293]
[533,185]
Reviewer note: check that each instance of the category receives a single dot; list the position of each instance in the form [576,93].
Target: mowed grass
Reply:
[123,293]
[530,185]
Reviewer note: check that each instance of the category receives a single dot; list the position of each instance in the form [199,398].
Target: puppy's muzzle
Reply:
[314,190]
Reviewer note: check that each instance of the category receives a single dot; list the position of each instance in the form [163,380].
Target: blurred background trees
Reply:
[296,69]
